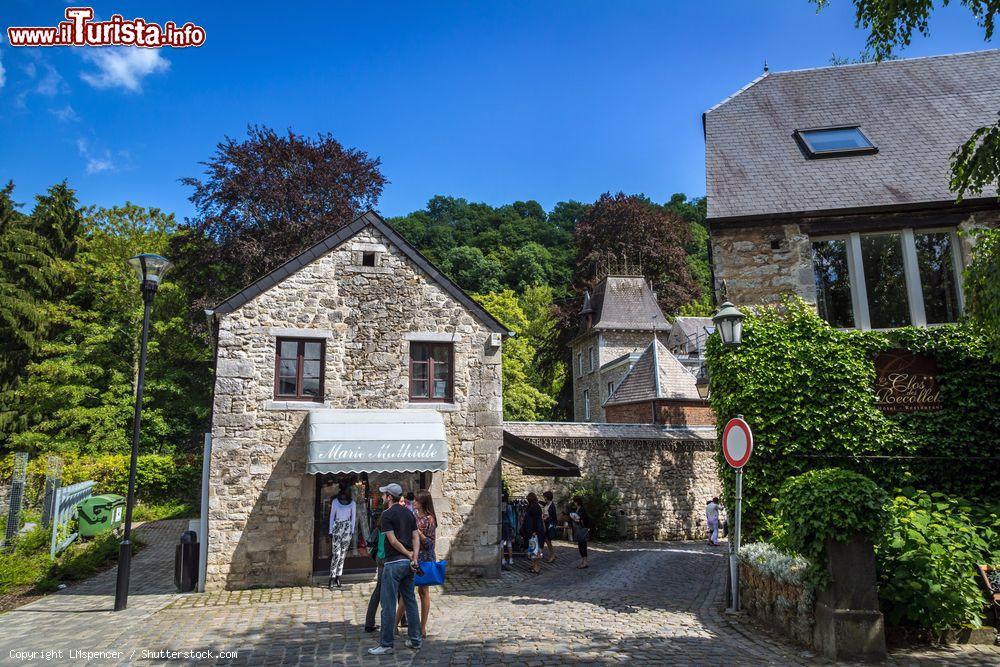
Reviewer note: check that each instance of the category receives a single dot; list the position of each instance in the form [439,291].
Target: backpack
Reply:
[378,553]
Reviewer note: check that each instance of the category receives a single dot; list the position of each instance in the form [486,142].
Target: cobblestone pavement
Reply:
[646,603]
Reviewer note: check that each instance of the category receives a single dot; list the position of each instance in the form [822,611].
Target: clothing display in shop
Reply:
[343,518]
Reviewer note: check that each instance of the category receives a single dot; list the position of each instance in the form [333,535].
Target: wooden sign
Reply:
[906,382]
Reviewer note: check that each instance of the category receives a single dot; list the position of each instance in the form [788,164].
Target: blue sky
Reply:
[491,101]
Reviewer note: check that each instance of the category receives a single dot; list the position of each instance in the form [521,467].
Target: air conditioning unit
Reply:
[495,339]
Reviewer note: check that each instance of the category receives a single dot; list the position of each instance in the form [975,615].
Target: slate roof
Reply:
[916,112]
[602,431]
[688,335]
[656,375]
[336,239]
[627,303]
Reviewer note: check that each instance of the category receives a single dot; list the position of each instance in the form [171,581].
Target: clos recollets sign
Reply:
[906,382]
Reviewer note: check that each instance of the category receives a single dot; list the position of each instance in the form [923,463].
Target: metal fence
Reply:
[63,506]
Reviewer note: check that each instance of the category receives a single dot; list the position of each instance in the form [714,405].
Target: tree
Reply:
[264,200]
[976,163]
[522,400]
[630,229]
[470,269]
[982,285]
[26,278]
[77,392]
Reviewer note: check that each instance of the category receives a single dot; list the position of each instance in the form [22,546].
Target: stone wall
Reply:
[260,497]
[787,608]
[664,484]
[759,264]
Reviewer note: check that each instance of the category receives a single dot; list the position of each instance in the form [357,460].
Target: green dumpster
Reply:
[100,514]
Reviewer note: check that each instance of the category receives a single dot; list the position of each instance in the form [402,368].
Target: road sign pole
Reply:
[734,545]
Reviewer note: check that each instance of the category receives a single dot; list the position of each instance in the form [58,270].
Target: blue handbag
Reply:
[433,573]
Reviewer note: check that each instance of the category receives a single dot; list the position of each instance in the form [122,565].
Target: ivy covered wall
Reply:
[806,389]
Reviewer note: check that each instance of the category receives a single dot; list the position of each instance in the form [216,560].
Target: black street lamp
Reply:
[150,269]
[729,323]
[701,382]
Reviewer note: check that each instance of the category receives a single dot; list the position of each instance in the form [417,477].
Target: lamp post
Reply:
[150,269]
[729,323]
[701,382]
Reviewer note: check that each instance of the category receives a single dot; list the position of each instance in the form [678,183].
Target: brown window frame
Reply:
[430,398]
[299,364]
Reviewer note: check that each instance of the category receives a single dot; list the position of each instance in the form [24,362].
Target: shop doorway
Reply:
[364,490]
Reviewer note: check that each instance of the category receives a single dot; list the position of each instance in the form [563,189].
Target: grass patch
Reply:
[27,568]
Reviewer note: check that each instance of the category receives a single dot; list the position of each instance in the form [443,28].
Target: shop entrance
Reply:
[364,490]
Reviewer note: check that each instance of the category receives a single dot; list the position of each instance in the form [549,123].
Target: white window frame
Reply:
[590,358]
[579,364]
[586,405]
[911,271]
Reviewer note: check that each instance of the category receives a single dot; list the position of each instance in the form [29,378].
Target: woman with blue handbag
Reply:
[427,532]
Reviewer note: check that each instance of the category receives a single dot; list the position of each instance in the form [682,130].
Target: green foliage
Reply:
[982,285]
[485,248]
[77,393]
[527,396]
[601,499]
[927,558]
[806,391]
[159,478]
[828,504]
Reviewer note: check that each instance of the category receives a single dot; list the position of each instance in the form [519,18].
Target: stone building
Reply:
[833,184]
[617,322]
[353,365]
[658,389]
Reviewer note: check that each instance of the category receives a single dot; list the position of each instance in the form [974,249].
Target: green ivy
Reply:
[827,504]
[927,557]
[805,388]
[602,500]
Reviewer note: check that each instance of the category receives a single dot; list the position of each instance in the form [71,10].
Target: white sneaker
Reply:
[410,644]
[380,650]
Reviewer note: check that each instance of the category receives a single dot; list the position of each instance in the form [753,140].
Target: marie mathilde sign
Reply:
[906,382]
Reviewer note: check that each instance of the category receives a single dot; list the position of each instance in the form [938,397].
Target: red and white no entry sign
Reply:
[737,442]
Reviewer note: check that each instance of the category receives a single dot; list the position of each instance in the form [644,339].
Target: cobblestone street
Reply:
[648,603]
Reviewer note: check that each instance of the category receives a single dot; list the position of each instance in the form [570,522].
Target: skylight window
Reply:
[834,142]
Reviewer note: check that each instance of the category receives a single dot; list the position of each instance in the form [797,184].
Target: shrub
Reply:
[827,504]
[601,499]
[927,559]
[775,563]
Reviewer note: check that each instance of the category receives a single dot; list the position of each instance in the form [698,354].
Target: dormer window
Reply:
[834,142]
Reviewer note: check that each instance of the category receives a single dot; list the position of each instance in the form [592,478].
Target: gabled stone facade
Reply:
[261,499]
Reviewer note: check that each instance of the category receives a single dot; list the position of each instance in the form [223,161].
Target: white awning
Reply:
[376,441]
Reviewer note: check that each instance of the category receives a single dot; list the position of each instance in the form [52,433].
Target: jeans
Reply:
[373,601]
[713,526]
[397,579]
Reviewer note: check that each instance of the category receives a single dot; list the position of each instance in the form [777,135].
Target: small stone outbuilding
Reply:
[353,365]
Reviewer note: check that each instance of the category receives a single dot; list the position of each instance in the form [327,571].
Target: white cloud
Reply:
[96,162]
[3,72]
[65,114]
[52,83]
[124,67]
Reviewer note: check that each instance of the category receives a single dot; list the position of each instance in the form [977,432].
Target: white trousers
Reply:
[340,543]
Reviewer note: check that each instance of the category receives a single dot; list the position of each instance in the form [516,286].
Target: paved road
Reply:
[646,603]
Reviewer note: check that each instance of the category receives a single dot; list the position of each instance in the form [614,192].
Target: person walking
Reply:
[551,522]
[712,516]
[402,552]
[507,523]
[534,528]
[377,549]
[423,505]
[581,530]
